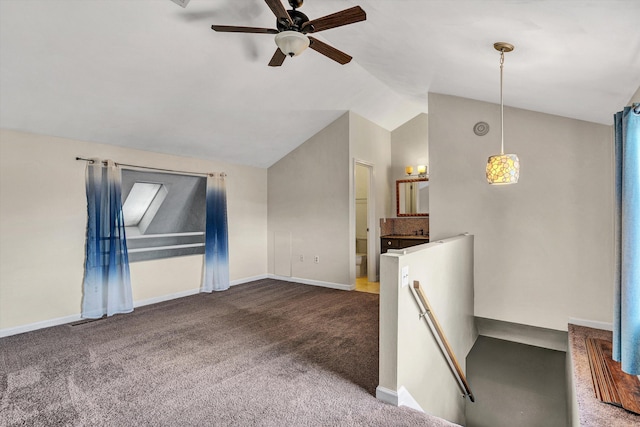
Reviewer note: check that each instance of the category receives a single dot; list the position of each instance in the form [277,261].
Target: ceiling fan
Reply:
[292,27]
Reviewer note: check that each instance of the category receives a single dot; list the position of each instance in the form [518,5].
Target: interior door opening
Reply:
[366,259]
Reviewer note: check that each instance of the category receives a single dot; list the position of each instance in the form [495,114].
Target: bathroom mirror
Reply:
[412,197]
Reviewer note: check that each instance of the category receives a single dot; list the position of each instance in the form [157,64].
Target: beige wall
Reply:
[312,201]
[410,357]
[309,200]
[410,146]
[544,247]
[43,222]
[636,97]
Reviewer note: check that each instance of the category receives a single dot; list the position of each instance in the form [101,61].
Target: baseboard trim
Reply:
[190,292]
[331,285]
[6,332]
[402,397]
[591,324]
[387,395]
[163,298]
[248,279]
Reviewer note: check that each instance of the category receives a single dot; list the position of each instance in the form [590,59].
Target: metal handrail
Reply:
[443,343]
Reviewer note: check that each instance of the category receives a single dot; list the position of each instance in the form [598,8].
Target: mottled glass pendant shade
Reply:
[503,169]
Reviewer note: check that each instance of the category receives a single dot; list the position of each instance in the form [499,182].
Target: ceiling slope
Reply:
[150,75]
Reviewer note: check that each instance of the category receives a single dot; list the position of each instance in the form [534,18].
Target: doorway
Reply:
[365,236]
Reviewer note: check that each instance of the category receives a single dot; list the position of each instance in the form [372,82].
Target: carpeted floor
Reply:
[267,353]
[516,385]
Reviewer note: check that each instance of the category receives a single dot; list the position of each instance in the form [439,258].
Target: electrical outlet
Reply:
[301,258]
[405,276]
[316,259]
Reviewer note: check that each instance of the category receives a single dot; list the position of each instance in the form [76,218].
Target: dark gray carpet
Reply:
[267,353]
[516,385]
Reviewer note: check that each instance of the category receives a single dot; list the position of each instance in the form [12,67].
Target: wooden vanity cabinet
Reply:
[401,242]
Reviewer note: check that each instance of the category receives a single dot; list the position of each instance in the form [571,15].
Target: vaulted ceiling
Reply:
[149,74]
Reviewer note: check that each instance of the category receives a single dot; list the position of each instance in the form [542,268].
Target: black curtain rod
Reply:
[152,168]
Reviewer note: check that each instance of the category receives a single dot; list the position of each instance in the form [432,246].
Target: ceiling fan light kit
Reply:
[292,43]
[292,27]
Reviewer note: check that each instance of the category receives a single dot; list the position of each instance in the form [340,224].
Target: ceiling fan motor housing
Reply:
[298,19]
[296,3]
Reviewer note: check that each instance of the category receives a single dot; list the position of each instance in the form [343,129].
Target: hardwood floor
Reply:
[363,285]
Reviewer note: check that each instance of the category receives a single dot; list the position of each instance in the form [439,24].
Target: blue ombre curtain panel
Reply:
[216,252]
[626,324]
[107,284]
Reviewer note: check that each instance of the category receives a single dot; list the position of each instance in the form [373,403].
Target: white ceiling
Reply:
[149,74]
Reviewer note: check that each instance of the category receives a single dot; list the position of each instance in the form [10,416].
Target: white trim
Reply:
[151,236]
[164,248]
[387,395]
[331,285]
[76,317]
[400,398]
[190,292]
[591,324]
[163,298]
[373,227]
[39,325]
[248,279]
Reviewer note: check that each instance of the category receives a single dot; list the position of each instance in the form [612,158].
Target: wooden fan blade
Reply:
[277,59]
[234,29]
[338,19]
[278,9]
[329,51]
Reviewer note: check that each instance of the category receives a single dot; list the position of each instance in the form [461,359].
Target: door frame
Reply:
[372,234]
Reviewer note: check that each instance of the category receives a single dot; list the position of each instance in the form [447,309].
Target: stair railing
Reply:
[443,343]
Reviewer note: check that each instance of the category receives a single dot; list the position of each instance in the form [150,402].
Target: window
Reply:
[143,202]
[164,214]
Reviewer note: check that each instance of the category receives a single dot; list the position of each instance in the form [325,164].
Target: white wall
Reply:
[544,247]
[410,358]
[309,200]
[43,222]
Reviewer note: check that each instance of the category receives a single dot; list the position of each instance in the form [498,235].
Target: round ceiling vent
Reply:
[481,128]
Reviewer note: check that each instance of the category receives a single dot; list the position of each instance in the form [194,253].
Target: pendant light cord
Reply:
[501,104]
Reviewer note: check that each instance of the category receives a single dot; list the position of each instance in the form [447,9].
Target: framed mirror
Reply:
[412,197]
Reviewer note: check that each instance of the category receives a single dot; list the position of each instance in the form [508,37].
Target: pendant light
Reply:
[503,168]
